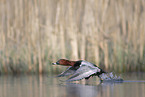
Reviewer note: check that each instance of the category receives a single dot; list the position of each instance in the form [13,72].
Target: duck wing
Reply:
[83,72]
[69,71]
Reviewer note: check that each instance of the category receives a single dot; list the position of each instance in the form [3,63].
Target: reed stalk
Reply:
[35,33]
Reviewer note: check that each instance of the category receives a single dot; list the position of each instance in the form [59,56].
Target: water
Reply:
[49,86]
[111,77]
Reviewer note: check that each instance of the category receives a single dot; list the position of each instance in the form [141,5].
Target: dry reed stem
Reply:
[34,33]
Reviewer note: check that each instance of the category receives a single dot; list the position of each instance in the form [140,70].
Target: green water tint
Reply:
[111,77]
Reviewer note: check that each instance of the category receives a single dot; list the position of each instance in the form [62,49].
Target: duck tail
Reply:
[99,73]
[102,71]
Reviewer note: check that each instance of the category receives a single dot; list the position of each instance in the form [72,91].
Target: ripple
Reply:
[111,77]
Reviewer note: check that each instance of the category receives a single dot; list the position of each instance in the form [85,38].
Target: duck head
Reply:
[64,62]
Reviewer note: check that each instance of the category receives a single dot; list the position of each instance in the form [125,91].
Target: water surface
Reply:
[50,86]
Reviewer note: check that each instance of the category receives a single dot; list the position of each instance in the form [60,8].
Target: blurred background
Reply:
[35,33]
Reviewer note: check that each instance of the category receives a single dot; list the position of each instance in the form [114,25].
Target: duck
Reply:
[80,69]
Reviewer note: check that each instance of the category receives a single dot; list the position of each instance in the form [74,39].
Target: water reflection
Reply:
[99,90]
[47,86]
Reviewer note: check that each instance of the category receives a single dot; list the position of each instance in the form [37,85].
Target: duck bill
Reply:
[54,64]
[57,63]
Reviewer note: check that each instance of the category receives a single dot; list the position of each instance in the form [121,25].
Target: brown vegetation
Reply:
[33,33]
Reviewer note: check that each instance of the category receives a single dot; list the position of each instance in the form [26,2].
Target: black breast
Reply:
[78,63]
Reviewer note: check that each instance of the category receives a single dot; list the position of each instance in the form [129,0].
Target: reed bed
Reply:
[34,33]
